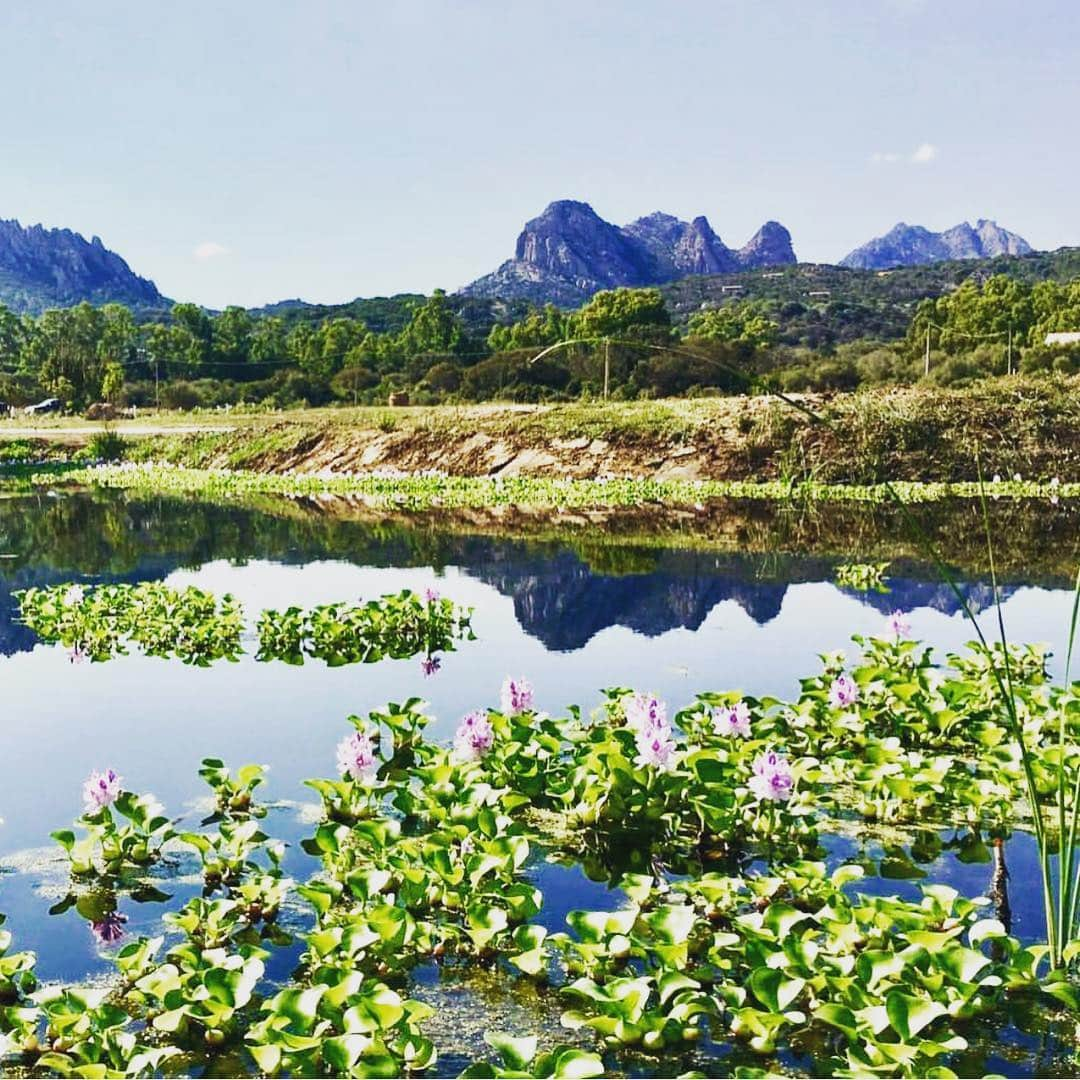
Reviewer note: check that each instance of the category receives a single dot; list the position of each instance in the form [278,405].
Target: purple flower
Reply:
[656,748]
[898,626]
[516,696]
[430,664]
[771,780]
[732,720]
[110,929]
[431,596]
[843,692]
[474,736]
[76,654]
[99,790]
[644,712]
[356,757]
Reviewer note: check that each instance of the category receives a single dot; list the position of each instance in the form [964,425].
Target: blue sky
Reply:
[245,152]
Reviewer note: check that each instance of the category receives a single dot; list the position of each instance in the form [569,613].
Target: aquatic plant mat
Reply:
[732,936]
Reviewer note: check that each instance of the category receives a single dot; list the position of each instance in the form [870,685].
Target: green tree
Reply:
[231,341]
[744,323]
[537,330]
[433,328]
[623,313]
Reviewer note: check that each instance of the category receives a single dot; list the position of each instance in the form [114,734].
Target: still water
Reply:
[674,621]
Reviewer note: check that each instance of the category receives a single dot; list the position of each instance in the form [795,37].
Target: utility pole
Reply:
[607,366]
[157,385]
[1010,348]
[926,362]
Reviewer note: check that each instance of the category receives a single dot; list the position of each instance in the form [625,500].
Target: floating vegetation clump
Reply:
[398,626]
[424,858]
[430,490]
[866,577]
[100,622]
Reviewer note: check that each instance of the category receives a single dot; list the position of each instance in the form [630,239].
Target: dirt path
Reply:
[79,434]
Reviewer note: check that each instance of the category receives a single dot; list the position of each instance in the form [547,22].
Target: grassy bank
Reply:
[1014,425]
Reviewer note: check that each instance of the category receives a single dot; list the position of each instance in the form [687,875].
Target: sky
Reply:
[246,152]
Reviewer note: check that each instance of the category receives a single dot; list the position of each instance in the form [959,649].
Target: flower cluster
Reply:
[732,720]
[516,696]
[109,929]
[646,716]
[771,780]
[356,757]
[430,664]
[100,790]
[474,736]
[74,596]
[643,711]
[843,692]
[898,626]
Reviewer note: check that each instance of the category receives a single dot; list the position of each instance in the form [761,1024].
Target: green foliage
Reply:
[428,859]
[742,322]
[399,625]
[424,492]
[101,621]
[866,577]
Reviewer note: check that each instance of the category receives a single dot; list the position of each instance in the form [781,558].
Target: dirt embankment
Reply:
[1005,426]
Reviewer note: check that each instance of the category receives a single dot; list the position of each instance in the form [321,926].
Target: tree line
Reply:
[625,339]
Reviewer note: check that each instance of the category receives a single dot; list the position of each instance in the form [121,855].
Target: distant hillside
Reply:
[912,245]
[42,268]
[818,305]
[390,314]
[569,252]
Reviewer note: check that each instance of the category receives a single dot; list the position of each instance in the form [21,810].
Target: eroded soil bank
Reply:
[1016,426]
[1004,426]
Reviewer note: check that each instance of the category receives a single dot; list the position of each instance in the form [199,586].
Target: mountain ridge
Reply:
[568,252]
[915,245]
[55,267]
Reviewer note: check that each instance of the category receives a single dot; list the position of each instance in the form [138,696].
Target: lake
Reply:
[573,613]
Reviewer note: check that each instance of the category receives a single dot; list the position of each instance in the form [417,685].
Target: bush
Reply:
[181,395]
[107,445]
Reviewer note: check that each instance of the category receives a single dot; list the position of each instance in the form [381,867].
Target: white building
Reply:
[1064,337]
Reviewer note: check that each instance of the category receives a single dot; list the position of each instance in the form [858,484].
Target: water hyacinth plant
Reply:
[123,831]
[398,625]
[865,577]
[102,621]
[425,852]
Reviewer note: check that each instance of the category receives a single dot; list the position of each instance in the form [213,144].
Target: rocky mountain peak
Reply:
[569,252]
[769,246]
[41,268]
[913,245]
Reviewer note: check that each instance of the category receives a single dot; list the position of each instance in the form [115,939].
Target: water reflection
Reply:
[564,593]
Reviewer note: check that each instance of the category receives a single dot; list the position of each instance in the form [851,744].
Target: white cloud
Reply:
[923,154]
[210,249]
